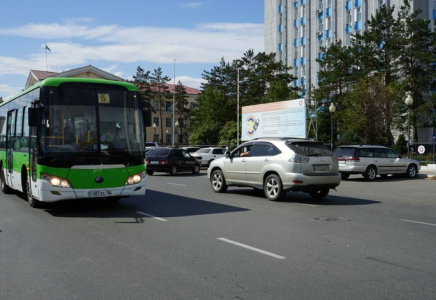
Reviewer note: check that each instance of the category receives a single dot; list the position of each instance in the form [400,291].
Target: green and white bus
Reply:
[54,141]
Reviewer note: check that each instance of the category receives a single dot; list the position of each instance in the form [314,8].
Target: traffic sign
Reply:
[421,149]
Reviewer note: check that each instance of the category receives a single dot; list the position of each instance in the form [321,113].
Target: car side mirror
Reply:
[227,153]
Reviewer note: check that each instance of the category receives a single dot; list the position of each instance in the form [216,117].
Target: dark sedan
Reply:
[171,160]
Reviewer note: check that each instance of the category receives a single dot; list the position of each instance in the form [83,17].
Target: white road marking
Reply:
[150,216]
[251,248]
[177,184]
[431,224]
[313,205]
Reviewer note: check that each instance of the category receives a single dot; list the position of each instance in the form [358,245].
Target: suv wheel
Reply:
[218,182]
[320,194]
[273,188]
[150,172]
[370,173]
[411,171]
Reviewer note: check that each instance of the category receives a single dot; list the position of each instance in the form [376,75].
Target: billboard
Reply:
[277,119]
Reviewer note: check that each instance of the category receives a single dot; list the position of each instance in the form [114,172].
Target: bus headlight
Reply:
[135,178]
[56,181]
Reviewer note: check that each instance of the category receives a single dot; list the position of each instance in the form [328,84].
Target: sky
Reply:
[182,38]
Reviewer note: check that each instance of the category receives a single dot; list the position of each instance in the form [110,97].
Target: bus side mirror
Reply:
[33,114]
[147,114]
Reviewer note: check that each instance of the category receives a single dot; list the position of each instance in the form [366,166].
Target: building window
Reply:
[156,105]
[349,17]
[168,105]
[168,122]
[192,105]
[156,121]
[320,4]
[358,14]
[168,138]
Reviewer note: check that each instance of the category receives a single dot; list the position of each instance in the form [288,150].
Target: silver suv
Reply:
[276,166]
[371,160]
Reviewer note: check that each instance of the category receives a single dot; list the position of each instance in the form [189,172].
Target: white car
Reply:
[371,160]
[207,155]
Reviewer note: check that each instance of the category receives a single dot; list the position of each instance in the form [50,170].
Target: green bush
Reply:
[350,138]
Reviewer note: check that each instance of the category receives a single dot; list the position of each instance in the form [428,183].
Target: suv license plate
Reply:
[321,167]
[100,193]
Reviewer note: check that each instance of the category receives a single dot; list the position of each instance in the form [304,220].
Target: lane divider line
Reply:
[150,216]
[251,248]
[176,184]
[431,224]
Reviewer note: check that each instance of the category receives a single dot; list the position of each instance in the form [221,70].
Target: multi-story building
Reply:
[296,29]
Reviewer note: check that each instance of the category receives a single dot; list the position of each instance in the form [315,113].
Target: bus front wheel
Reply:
[4,186]
[28,194]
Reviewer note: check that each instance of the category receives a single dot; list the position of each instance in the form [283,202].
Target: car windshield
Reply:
[309,148]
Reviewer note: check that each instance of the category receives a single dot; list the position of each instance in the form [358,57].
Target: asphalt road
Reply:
[367,240]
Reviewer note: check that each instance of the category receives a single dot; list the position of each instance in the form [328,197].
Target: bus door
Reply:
[10,133]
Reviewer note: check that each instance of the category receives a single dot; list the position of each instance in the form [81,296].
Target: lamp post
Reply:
[174,97]
[154,135]
[409,103]
[176,125]
[332,109]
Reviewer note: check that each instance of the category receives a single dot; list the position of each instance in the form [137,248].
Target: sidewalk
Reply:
[429,170]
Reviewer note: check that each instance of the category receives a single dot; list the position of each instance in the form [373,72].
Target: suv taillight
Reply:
[354,158]
[299,158]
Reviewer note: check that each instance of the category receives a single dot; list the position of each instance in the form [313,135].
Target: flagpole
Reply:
[46,69]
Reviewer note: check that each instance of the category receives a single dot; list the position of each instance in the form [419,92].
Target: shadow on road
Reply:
[305,198]
[158,204]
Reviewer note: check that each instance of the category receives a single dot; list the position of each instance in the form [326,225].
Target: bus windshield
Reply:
[96,121]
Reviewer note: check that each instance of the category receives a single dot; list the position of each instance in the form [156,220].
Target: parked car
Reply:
[276,166]
[207,155]
[373,160]
[170,160]
[149,145]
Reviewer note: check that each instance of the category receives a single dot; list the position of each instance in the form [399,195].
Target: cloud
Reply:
[191,4]
[75,43]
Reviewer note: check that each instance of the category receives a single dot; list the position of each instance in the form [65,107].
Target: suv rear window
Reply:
[309,148]
[345,152]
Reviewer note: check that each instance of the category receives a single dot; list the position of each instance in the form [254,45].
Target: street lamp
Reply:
[154,136]
[174,97]
[176,125]
[332,109]
[409,103]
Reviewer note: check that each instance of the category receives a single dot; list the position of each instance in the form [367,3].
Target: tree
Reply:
[159,92]
[261,79]
[181,101]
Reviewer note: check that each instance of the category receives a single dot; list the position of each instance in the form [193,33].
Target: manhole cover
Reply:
[331,219]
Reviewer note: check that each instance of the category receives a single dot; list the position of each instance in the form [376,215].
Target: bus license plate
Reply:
[100,193]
